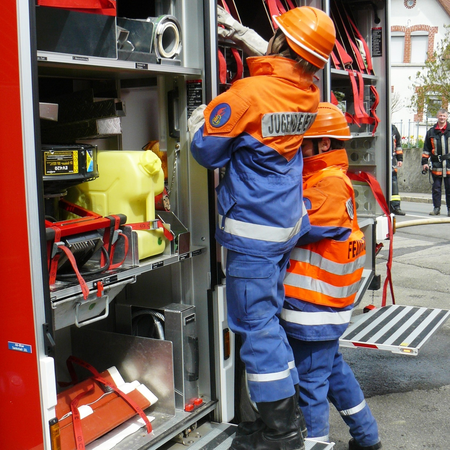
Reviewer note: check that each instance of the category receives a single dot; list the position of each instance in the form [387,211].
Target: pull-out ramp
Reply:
[218,436]
[395,328]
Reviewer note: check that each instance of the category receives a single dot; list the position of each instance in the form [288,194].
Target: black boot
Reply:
[245,428]
[397,211]
[435,212]
[353,445]
[302,420]
[282,431]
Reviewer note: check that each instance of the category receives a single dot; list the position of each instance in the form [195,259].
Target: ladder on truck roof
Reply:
[395,328]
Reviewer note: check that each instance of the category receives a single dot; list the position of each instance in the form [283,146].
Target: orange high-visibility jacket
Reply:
[327,270]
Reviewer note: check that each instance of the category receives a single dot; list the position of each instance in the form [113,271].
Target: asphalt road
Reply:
[409,395]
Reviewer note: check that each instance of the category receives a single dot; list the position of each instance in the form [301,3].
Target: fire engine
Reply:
[113,283]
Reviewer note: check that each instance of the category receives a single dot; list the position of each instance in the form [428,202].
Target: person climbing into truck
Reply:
[321,284]
[255,130]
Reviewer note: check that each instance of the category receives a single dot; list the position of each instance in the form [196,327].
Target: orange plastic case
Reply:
[109,410]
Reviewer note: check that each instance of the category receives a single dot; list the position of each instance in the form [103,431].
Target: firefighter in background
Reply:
[321,284]
[255,130]
[436,148]
[397,161]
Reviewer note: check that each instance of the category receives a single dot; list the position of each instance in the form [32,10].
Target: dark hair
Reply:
[336,144]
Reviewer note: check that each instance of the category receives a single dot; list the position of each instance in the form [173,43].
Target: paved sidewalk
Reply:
[418,197]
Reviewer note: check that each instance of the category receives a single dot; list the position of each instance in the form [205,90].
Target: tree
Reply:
[431,86]
[396,102]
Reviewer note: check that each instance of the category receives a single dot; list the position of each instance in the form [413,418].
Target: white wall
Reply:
[428,12]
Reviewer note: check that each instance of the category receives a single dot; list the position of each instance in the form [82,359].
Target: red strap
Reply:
[367,118]
[108,236]
[71,258]
[239,65]
[374,107]
[76,418]
[360,115]
[345,58]
[334,100]
[379,197]
[357,54]
[349,118]
[110,245]
[351,41]
[235,53]
[125,252]
[335,61]
[275,9]
[149,226]
[83,285]
[366,47]
[100,379]
[356,118]
[53,269]
[222,68]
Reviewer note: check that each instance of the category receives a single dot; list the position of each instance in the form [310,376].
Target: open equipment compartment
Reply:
[142,95]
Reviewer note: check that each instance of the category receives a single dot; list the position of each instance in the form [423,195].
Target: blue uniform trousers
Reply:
[255,296]
[324,373]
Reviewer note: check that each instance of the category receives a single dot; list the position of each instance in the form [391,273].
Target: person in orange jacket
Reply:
[321,284]
[255,130]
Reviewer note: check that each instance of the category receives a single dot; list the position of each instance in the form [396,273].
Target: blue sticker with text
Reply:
[24,348]
[220,115]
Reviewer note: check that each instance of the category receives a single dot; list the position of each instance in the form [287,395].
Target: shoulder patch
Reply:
[350,210]
[220,115]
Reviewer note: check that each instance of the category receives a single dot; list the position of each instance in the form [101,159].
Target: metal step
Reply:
[218,436]
[395,328]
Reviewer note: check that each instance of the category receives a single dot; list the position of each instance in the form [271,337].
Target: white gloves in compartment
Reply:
[244,38]
[196,120]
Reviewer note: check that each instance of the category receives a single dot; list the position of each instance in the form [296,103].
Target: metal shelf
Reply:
[366,134]
[344,74]
[62,64]
[63,290]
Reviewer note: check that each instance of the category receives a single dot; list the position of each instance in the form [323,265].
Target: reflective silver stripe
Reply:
[352,411]
[291,365]
[312,284]
[307,256]
[316,318]
[286,123]
[259,232]
[274,376]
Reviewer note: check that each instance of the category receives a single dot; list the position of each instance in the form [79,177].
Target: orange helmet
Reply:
[309,32]
[330,122]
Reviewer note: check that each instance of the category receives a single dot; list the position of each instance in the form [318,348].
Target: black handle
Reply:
[172,99]
[193,346]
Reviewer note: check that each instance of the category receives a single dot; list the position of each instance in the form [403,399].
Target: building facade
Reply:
[416,27]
